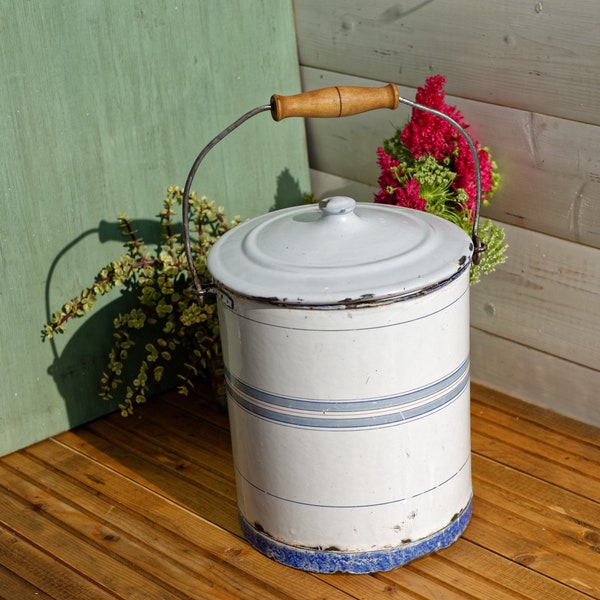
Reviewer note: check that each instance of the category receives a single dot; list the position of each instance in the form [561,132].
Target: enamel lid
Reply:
[339,252]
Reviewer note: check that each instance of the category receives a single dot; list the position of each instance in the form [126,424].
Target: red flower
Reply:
[425,135]
[429,134]
[429,165]
[465,172]
[387,164]
[407,196]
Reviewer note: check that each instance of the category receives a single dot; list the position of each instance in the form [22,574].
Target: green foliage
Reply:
[442,199]
[495,254]
[167,308]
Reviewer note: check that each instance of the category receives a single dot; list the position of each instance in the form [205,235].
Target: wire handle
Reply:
[479,246]
[338,101]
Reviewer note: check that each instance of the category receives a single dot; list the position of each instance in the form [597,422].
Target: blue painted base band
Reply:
[319,561]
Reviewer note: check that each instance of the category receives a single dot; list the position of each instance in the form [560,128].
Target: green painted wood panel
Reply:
[103,104]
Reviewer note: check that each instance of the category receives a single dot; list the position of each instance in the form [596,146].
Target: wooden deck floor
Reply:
[144,507]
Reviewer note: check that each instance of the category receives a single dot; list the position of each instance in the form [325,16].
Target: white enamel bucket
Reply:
[345,331]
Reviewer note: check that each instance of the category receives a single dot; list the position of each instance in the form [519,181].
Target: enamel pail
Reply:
[345,331]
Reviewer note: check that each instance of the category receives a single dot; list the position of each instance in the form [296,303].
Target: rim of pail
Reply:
[340,253]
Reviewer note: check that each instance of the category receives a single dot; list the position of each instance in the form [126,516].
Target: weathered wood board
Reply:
[146,508]
[104,105]
[550,167]
[535,320]
[539,56]
[526,77]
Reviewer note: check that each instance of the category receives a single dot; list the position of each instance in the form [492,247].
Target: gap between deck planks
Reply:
[144,507]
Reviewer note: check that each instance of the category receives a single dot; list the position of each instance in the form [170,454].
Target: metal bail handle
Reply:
[338,101]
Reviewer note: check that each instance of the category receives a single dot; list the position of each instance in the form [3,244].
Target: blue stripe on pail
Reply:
[343,414]
[324,561]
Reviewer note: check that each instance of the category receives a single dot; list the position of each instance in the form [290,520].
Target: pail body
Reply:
[345,332]
[350,427]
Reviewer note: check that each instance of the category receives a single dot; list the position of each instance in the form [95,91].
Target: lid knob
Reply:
[337,205]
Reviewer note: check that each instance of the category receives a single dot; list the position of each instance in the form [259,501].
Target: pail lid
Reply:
[339,252]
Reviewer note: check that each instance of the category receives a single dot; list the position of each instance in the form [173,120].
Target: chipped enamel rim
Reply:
[339,253]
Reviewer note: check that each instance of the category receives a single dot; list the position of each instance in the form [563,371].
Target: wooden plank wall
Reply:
[526,75]
[104,105]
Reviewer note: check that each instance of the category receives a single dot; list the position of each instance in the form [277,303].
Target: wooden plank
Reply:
[171,506]
[177,563]
[512,356]
[562,456]
[521,581]
[535,376]
[36,574]
[579,542]
[550,167]
[105,104]
[512,53]
[94,564]
[546,296]
[567,506]
[177,427]
[587,450]
[155,560]
[129,526]
[366,587]
[465,582]
[515,539]
[324,185]
[524,503]
[193,462]
[421,584]
[202,404]
[147,474]
[12,586]
[518,414]
[535,534]
[534,463]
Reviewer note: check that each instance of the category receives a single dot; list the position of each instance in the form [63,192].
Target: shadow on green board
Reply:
[288,192]
[78,368]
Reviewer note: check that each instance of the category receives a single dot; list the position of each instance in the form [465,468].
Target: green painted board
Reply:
[103,104]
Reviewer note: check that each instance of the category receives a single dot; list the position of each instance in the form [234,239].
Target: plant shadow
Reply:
[78,368]
[288,192]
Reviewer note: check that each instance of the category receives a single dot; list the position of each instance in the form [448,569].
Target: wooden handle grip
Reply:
[339,101]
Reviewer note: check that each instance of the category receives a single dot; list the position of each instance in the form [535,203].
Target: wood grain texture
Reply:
[145,507]
[104,105]
[334,102]
[535,376]
[534,56]
[550,167]
[534,321]
[546,296]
